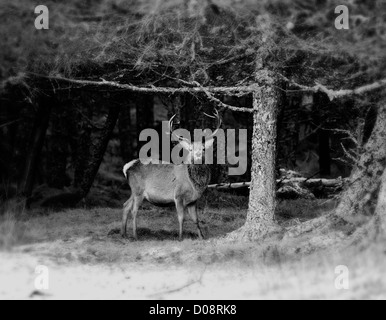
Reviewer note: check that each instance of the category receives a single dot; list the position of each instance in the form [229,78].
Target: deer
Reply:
[167,184]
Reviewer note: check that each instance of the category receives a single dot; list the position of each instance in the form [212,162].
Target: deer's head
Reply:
[196,149]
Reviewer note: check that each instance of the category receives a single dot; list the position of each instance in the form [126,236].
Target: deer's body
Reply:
[164,184]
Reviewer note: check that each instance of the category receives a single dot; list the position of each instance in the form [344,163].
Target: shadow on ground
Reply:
[145,234]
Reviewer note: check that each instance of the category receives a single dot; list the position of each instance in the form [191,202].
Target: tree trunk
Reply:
[82,145]
[125,134]
[190,115]
[59,146]
[36,146]
[321,102]
[262,199]
[362,195]
[8,131]
[365,196]
[324,153]
[381,206]
[145,116]
[92,157]
[98,149]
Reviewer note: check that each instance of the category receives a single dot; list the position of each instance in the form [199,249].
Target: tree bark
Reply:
[362,195]
[98,149]
[380,211]
[262,199]
[360,215]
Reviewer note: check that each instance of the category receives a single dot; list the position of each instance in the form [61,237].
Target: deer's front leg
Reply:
[193,214]
[180,212]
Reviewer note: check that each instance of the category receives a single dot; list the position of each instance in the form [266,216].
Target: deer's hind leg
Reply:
[137,202]
[127,207]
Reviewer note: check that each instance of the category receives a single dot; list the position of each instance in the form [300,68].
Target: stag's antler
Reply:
[216,115]
[171,131]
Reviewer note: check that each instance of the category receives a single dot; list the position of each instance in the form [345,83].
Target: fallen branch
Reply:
[330,183]
[228,186]
[189,284]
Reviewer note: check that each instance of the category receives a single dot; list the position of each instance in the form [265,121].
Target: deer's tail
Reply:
[129,166]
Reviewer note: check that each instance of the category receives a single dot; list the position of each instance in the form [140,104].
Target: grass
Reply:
[155,224]
[86,262]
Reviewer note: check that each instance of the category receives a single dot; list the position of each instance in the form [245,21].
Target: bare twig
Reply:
[222,104]
[9,123]
[230,60]
[189,284]
[349,134]
[353,157]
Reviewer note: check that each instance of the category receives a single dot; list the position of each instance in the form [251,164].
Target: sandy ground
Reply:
[99,266]
[310,278]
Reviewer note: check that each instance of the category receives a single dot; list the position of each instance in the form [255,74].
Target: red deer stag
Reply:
[169,184]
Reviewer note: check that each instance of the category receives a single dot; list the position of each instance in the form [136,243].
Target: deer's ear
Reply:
[186,145]
[209,143]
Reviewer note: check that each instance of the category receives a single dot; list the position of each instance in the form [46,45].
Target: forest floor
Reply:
[85,262]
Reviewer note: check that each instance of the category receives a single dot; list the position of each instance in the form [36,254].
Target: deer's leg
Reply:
[193,214]
[137,203]
[127,207]
[180,212]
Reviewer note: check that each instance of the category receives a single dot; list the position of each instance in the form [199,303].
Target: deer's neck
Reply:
[199,174]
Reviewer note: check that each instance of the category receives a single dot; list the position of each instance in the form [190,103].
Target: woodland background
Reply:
[54,135]
[74,98]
